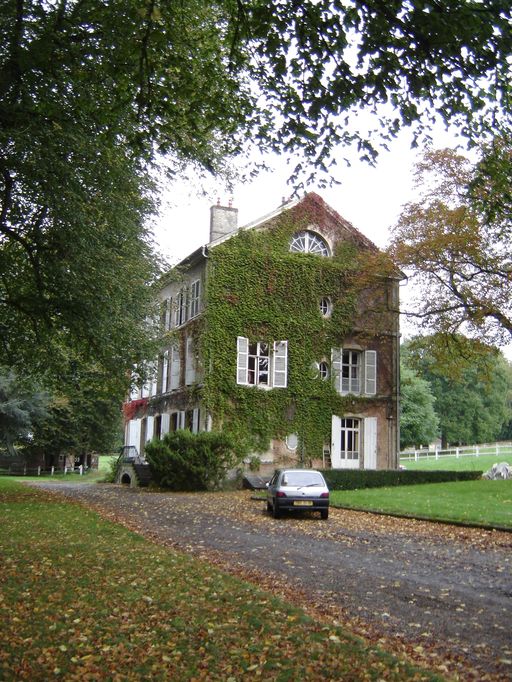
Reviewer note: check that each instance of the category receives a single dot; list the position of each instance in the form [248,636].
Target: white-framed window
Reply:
[354,371]
[260,363]
[325,306]
[350,438]
[309,242]
[195,298]
[350,371]
[323,370]
[180,308]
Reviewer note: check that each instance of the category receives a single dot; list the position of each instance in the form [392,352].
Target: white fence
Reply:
[502,449]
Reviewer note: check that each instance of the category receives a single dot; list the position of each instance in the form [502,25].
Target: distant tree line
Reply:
[454,389]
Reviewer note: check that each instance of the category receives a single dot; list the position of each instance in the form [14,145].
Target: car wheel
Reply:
[276,513]
[324,513]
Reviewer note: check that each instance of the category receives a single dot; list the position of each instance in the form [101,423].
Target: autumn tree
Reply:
[93,93]
[455,244]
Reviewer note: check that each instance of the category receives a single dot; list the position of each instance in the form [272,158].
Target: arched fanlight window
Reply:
[309,242]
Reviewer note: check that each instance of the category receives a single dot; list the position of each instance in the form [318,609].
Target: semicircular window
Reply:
[309,242]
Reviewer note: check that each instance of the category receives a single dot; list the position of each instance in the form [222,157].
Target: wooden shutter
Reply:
[336,355]
[370,372]
[165,369]
[242,360]
[175,368]
[280,366]
[195,420]
[370,443]
[190,365]
[165,424]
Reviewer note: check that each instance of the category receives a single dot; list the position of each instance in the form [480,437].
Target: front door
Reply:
[346,442]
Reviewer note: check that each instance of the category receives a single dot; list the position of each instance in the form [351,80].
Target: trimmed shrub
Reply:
[183,461]
[354,479]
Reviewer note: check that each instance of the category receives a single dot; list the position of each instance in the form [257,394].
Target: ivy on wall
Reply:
[257,288]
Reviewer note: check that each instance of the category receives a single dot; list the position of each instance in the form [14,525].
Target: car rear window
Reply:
[302,478]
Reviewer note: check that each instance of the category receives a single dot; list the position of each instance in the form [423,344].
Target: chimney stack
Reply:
[223,220]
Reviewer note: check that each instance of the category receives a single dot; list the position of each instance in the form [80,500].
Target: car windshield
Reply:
[302,478]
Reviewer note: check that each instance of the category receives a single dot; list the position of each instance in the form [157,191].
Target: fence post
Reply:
[53,470]
[39,471]
[65,469]
[477,450]
[81,469]
[24,470]
[415,455]
[437,452]
[457,453]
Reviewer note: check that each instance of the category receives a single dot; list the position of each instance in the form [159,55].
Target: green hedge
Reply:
[183,461]
[353,479]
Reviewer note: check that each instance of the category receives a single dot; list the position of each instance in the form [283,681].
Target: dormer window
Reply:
[309,242]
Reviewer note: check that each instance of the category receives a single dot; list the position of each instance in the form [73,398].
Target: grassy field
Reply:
[470,463]
[85,599]
[482,501]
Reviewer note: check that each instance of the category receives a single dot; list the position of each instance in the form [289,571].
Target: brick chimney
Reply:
[223,220]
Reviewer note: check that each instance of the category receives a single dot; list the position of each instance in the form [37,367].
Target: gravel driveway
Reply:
[431,591]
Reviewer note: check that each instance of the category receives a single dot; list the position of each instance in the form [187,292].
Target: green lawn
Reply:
[86,599]
[482,501]
[470,463]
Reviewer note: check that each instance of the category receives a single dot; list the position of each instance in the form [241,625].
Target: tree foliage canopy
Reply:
[472,398]
[455,242]
[21,407]
[419,423]
[92,93]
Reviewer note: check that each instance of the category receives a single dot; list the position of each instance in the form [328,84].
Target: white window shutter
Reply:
[165,369]
[370,442]
[190,368]
[169,314]
[336,354]
[280,369]
[181,419]
[242,360]
[195,420]
[164,428]
[370,372]
[175,368]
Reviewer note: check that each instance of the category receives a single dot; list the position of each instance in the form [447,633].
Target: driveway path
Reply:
[432,591]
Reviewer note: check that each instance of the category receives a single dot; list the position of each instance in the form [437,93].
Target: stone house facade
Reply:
[285,333]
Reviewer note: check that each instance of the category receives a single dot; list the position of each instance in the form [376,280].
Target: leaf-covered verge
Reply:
[83,598]
[482,502]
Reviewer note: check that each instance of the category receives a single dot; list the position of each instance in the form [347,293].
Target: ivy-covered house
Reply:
[285,334]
